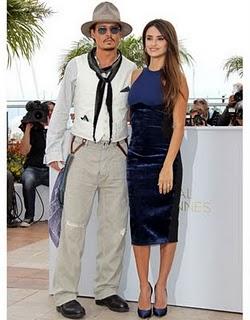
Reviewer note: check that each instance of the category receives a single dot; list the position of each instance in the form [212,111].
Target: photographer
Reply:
[198,115]
[233,113]
[33,144]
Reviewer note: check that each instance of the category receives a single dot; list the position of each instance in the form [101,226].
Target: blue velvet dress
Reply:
[153,216]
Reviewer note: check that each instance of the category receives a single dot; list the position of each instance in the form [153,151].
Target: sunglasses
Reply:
[113,30]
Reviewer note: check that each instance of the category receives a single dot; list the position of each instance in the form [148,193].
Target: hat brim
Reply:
[126,28]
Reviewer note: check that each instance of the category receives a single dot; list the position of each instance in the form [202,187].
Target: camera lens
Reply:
[198,120]
[38,115]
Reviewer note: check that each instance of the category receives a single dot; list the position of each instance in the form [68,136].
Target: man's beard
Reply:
[111,46]
[109,49]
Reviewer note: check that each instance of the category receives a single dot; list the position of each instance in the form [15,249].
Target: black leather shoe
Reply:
[71,309]
[114,303]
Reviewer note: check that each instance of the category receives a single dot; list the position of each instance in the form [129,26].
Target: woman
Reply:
[158,100]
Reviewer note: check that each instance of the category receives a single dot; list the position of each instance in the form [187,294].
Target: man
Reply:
[199,112]
[33,146]
[233,113]
[96,84]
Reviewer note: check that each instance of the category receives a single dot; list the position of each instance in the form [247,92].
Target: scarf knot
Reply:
[100,90]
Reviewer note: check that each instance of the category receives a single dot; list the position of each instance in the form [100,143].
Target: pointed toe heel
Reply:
[160,312]
[145,314]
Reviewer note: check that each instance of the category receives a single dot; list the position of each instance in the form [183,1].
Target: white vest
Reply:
[84,102]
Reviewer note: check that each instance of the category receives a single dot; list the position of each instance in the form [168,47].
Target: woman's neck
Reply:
[156,64]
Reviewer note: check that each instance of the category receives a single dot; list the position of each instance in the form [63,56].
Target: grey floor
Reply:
[28,297]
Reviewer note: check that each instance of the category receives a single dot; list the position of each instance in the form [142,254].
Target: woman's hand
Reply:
[165,181]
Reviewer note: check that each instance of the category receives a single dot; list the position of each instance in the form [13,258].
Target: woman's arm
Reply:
[179,114]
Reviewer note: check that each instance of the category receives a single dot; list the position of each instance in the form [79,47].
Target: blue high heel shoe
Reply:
[160,312]
[144,314]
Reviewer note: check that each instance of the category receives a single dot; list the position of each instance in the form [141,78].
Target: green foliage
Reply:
[186,57]
[234,64]
[130,47]
[83,46]
[24,31]
[15,160]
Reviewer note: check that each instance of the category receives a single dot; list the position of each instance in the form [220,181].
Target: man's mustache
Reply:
[108,39]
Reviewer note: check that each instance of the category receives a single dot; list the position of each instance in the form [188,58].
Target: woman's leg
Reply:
[142,254]
[167,252]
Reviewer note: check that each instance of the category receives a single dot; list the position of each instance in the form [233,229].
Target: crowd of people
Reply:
[232,115]
[144,176]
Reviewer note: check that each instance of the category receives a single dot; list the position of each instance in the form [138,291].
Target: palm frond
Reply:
[24,31]
[132,48]
[234,64]
[78,47]
[186,57]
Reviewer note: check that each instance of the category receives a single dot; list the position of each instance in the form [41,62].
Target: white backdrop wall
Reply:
[207,270]
[41,202]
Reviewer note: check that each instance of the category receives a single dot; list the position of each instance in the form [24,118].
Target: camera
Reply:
[198,120]
[235,108]
[238,96]
[194,119]
[237,115]
[239,111]
[37,113]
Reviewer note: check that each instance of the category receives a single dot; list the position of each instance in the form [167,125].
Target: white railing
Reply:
[16,110]
[212,103]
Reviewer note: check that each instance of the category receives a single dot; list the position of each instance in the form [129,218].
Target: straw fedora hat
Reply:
[106,12]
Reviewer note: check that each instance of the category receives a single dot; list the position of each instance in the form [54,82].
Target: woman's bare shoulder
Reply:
[135,74]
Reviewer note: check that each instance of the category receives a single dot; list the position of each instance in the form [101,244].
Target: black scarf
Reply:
[100,89]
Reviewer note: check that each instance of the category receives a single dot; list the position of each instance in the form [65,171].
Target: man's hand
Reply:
[231,102]
[56,165]
[28,127]
[25,145]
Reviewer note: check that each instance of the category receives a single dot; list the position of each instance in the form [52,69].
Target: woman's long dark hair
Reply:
[171,75]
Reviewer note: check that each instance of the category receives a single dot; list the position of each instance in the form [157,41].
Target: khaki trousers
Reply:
[100,168]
